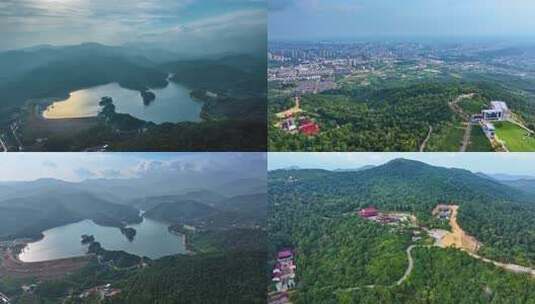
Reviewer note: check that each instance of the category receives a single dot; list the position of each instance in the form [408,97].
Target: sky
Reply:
[331,19]
[176,24]
[76,167]
[490,163]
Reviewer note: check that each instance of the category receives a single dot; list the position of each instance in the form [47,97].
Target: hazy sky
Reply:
[323,19]
[503,163]
[183,24]
[81,166]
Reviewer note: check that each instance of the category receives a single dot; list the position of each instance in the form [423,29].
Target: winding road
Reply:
[409,269]
[424,143]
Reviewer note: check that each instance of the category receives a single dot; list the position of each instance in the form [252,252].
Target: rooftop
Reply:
[499,105]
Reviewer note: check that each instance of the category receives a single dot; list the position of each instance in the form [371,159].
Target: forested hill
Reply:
[28,216]
[400,183]
[498,215]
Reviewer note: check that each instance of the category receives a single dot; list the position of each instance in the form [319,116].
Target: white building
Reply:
[498,111]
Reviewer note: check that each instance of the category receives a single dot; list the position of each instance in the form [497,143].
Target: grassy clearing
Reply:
[479,141]
[515,138]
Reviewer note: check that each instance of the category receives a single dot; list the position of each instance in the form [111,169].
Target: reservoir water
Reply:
[152,240]
[172,104]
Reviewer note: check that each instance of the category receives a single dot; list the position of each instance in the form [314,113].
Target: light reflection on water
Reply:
[173,104]
[152,240]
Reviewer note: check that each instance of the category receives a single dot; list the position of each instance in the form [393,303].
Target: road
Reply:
[454,106]
[4,147]
[466,138]
[409,269]
[14,131]
[424,143]
[398,282]
[510,267]
[4,298]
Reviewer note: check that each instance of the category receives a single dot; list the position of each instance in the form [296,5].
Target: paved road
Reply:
[424,143]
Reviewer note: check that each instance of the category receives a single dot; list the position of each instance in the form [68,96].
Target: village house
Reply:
[308,127]
[442,212]
[368,212]
[102,292]
[283,274]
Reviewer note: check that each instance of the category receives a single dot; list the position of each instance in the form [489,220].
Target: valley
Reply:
[137,240]
[182,104]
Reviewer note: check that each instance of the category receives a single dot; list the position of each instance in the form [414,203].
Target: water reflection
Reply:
[170,104]
[152,240]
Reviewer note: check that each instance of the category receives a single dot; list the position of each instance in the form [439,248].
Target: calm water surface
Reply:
[152,240]
[173,104]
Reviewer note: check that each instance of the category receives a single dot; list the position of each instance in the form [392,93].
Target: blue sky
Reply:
[172,23]
[324,19]
[492,163]
[81,166]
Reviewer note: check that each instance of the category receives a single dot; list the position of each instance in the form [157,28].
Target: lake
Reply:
[152,240]
[173,104]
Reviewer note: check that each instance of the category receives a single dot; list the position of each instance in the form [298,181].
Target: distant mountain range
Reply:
[28,208]
[53,71]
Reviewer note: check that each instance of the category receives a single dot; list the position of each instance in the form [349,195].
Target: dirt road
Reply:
[466,138]
[458,238]
[454,106]
[424,143]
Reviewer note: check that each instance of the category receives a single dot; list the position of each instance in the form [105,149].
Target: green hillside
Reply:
[314,212]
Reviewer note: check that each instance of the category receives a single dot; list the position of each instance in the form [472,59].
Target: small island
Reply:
[87,239]
[129,232]
[148,97]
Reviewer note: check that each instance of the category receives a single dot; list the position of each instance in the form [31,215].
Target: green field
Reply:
[479,141]
[515,137]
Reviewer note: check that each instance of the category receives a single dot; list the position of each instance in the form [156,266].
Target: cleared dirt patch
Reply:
[50,270]
[36,126]
[458,238]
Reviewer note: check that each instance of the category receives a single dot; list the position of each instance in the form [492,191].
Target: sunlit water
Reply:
[152,240]
[173,104]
